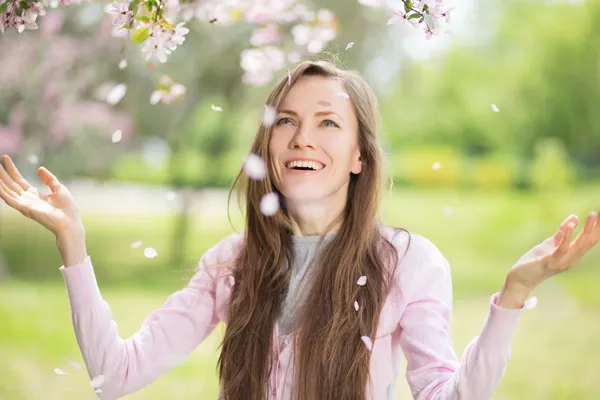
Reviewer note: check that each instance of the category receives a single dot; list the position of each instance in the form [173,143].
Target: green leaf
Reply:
[133,6]
[421,20]
[143,18]
[415,15]
[24,5]
[141,35]
[425,8]
[3,7]
[407,8]
[149,5]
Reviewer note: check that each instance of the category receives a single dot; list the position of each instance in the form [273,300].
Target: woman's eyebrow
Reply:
[318,113]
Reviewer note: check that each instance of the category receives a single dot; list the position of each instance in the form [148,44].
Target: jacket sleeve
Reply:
[167,336]
[433,370]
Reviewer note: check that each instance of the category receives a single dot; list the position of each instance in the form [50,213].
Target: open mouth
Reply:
[304,165]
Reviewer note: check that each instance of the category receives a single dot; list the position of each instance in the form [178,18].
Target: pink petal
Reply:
[269,116]
[149,252]
[97,381]
[368,342]
[254,167]
[116,137]
[361,281]
[269,204]
[356,305]
[216,108]
[349,45]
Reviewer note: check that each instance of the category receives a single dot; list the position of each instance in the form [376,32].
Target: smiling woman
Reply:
[320,298]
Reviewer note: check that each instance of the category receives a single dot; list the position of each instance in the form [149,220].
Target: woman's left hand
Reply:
[554,255]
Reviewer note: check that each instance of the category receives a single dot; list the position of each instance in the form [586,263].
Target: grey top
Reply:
[305,250]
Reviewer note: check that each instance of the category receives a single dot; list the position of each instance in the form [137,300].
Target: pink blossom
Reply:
[267,35]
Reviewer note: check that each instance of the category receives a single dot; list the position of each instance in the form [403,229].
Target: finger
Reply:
[596,235]
[48,178]
[8,180]
[15,174]
[566,235]
[6,191]
[10,200]
[582,243]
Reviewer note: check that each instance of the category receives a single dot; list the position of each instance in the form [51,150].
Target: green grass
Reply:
[554,353]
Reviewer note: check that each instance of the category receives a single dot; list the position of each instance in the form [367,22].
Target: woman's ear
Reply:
[357,165]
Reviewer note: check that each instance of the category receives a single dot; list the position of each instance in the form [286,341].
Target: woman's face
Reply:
[314,142]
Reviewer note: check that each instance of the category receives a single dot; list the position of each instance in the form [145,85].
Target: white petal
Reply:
[74,364]
[59,371]
[115,94]
[137,244]
[395,19]
[495,108]
[342,94]
[356,305]
[123,64]
[368,342]
[436,165]
[361,281]
[116,137]
[254,167]
[349,45]
[269,204]
[216,108]
[97,381]
[155,97]
[269,116]
[149,252]
[33,159]
[448,211]
[530,303]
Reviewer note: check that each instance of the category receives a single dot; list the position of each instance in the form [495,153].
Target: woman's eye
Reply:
[283,121]
[330,123]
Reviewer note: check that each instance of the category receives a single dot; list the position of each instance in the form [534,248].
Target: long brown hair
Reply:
[332,361]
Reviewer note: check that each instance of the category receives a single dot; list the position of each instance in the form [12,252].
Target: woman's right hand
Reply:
[56,211]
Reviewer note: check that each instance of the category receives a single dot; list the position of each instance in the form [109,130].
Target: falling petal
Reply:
[395,19]
[349,45]
[137,244]
[33,159]
[495,108]
[436,165]
[116,137]
[59,371]
[115,94]
[448,211]
[254,167]
[123,64]
[216,108]
[342,94]
[368,342]
[98,390]
[356,305]
[530,303]
[97,382]
[156,96]
[74,364]
[361,281]
[269,204]
[269,116]
[149,252]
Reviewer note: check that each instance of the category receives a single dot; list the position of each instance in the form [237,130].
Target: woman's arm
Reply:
[167,336]
[433,370]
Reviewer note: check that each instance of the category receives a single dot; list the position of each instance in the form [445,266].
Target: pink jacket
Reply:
[415,322]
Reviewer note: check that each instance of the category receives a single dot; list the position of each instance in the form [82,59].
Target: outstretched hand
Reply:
[554,255]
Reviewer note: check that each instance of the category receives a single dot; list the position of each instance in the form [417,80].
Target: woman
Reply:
[320,300]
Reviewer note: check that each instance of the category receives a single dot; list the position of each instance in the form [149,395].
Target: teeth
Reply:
[305,164]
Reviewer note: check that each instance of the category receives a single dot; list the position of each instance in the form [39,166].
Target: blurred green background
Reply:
[485,186]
